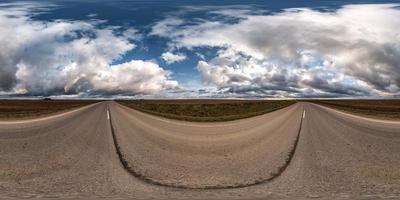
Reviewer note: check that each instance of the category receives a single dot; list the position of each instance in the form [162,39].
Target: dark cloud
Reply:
[69,57]
[351,51]
[7,78]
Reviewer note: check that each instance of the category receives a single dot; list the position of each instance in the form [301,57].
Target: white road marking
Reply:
[108,114]
[304,114]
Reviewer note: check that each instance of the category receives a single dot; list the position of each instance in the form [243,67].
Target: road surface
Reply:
[108,150]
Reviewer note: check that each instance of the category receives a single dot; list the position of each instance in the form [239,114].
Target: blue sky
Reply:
[200,49]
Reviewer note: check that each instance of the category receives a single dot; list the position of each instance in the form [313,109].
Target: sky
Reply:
[200,49]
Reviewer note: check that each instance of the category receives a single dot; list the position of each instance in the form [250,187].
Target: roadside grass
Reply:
[385,109]
[17,109]
[206,110]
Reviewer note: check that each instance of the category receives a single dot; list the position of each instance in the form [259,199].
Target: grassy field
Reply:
[17,109]
[206,110]
[386,109]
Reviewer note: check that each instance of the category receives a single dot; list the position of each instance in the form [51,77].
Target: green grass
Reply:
[206,110]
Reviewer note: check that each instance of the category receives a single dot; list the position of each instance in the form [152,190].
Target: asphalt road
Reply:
[108,150]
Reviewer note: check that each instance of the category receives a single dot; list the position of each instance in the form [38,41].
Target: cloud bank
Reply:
[66,57]
[351,51]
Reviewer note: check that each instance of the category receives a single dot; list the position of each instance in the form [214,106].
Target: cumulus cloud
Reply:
[170,58]
[65,57]
[351,51]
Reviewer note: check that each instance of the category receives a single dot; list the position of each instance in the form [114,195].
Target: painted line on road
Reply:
[108,114]
[304,114]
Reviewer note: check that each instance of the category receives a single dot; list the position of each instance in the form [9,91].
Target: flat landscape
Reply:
[207,110]
[385,109]
[18,109]
[283,150]
[203,100]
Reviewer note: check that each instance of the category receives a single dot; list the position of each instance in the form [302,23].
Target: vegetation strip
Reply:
[146,179]
[206,110]
[384,109]
[23,109]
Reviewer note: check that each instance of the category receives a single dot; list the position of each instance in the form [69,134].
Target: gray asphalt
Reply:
[108,150]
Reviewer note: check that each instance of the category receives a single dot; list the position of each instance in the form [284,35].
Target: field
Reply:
[17,109]
[206,110]
[385,109]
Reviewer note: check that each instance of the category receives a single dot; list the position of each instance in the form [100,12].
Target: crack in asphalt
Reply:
[131,170]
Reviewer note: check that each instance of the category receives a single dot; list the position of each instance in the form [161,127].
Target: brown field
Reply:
[206,110]
[385,109]
[17,109]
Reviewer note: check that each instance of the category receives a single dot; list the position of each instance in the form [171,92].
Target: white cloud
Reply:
[170,58]
[166,27]
[71,57]
[92,15]
[354,50]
